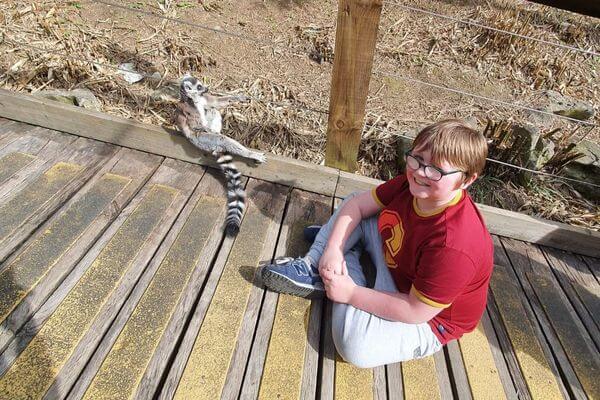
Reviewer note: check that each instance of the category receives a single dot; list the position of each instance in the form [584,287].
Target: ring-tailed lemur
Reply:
[199,119]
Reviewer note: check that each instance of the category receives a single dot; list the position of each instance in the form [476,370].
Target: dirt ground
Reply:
[280,54]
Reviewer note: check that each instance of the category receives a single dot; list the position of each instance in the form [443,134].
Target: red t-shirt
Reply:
[445,257]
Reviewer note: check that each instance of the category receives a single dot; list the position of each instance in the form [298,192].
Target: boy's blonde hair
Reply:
[455,142]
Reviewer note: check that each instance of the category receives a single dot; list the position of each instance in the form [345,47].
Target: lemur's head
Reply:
[191,87]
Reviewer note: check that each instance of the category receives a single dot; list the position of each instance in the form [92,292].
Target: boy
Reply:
[432,253]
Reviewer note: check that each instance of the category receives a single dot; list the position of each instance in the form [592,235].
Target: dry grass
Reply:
[290,74]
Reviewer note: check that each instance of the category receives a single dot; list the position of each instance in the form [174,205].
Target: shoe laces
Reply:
[301,267]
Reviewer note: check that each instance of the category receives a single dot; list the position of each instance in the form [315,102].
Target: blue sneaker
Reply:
[310,232]
[293,276]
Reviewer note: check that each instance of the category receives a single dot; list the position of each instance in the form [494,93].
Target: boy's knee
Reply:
[349,342]
[355,352]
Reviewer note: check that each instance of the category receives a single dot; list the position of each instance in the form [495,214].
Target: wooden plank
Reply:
[580,286]
[459,372]
[506,350]
[32,198]
[286,367]
[48,147]
[144,334]
[556,313]
[6,139]
[235,376]
[13,162]
[25,143]
[483,377]
[355,38]
[379,383]
[75,317]
[152,139]
[282,331]
[394,381]
[33,273]
[594,265]
[329,357]
[176,371]
[25,211]
[501,363]
[210,359]
[419,379]
[349,183]
[177,178]
[182,261]
[352,382]
[538,373]
[308,390]
[540,231]
[12,127]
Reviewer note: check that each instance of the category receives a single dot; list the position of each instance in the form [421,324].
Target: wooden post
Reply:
[357,25]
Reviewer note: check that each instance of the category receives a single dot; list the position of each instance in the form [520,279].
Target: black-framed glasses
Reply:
[431,172]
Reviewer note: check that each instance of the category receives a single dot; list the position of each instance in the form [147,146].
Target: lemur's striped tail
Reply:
[236,197]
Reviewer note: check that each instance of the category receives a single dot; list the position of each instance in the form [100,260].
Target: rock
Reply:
[556,103]
[568,107]
[542,153]
[77,97]
[586,168]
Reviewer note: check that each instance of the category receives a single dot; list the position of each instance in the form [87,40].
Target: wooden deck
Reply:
[117,282]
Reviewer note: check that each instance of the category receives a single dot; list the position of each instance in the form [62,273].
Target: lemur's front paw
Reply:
[259,158]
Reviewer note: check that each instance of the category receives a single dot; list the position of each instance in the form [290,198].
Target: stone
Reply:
[77,97]
[568,107]
[586,169]
[557,103]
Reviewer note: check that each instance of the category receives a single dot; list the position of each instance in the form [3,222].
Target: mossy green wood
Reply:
[12,163]
[26,270]
[30,199]
[285,361]
[206,370]
[536,371]
[351,382]
[36,367]
[124,366]
[580,350]
[420,379]
[484,379]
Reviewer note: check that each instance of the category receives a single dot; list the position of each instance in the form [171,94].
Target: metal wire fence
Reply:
[298,105]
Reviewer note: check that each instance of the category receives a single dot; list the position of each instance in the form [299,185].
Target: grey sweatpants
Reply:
[361,338]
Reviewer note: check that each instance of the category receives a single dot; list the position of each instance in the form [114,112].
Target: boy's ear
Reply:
[467,182]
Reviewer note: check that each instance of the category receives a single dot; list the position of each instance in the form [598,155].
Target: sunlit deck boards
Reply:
[117,282]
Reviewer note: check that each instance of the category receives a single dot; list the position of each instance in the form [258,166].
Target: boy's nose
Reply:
[420,172]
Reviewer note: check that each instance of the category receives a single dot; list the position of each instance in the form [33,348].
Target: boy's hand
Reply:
[331,260]
[339,288]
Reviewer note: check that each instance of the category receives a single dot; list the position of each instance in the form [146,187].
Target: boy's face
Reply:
[435,191]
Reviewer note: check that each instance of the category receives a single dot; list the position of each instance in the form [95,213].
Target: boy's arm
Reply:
[401,307]
[352,212]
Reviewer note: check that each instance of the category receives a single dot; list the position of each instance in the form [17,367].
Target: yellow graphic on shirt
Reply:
[390,226]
